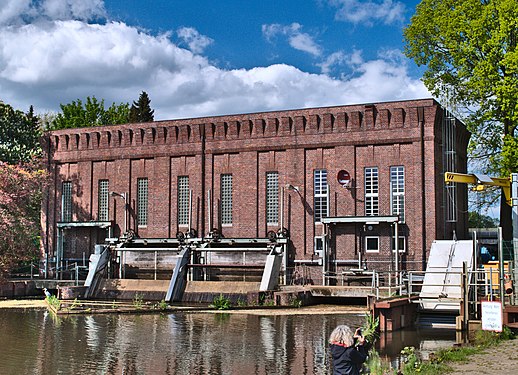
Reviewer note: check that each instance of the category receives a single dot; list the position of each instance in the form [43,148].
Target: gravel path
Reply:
[499,359]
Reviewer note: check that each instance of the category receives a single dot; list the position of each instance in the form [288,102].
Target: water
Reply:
[37,342]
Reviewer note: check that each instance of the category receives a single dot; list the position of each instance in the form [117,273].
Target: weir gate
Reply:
[452,286]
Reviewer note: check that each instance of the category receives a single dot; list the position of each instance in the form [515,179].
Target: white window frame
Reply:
[367,238]
[401,249]
[397,191]
[226,199]
[66,201]
[183,201]
[319,244]
[320,195]
[142,202]
[103,189]
[272,198]
[371,191]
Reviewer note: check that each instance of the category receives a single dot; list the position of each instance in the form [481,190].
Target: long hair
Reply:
[342,335]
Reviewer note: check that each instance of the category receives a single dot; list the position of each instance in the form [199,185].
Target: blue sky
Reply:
[197,58]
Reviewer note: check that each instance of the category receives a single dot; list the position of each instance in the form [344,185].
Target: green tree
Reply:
[478,220]
[469,50]
[19,135]
[92,113]
[141,111]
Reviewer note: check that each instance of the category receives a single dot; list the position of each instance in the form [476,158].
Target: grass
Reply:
[138,301]
[163,305]
[439,362]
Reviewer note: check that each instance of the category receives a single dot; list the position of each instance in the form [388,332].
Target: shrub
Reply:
[220,303]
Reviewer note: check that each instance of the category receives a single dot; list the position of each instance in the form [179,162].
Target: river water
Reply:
[37,342]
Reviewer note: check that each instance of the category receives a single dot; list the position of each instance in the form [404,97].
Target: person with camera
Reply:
[348,351]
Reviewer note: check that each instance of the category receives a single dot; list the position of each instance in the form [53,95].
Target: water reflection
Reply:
[35,342]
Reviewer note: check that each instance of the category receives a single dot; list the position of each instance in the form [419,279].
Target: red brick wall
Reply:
[293,143]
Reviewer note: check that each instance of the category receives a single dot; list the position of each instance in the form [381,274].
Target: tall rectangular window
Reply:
[371,191]
[66,201]
[321,196]
[397,191]
[102,202]
[142,201]
[226,199]
[272,198]
[183,200]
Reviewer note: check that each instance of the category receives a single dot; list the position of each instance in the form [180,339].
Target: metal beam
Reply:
[361,219]
[480,181]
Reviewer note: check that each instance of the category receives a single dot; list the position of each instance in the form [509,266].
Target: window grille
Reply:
[371,191]
[226,199]
[183,200]
[272,198]
[66,202]
[397,191]
[102,202]
[321,198]
[142,202]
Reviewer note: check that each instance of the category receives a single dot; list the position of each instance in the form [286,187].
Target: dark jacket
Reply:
[347,361]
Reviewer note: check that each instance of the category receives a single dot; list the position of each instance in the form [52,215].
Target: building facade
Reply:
[334,177]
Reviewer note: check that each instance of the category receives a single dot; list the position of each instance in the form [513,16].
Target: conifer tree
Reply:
[141,111]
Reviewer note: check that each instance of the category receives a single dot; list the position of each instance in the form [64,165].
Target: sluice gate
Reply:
[189,259]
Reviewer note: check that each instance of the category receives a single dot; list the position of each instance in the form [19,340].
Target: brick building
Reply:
[249,174]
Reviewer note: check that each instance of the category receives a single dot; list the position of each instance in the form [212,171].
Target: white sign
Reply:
[492,316]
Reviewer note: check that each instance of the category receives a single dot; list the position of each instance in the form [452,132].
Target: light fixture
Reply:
[292,187]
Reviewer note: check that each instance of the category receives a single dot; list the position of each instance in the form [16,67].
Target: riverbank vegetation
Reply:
[441,361]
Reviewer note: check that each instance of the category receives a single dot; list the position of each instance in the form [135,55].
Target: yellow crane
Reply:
[510,188]
[481,181]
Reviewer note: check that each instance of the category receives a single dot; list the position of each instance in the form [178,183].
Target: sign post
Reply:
[492,316]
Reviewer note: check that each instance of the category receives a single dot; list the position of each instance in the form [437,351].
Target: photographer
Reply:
[347,357]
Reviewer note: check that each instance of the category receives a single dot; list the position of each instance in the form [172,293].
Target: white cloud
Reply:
[334,59]
[51,62]
[297,39]
[73,9]
[16,12]
[196,41]
[10,10]
[366,12]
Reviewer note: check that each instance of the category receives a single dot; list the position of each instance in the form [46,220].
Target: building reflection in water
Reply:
[38,343]
[34,342]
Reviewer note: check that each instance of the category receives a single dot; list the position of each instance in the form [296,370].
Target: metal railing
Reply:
[73,271]
[31,271]
[377,283]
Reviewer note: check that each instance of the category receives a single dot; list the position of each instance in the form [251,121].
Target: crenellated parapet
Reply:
[291,123]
